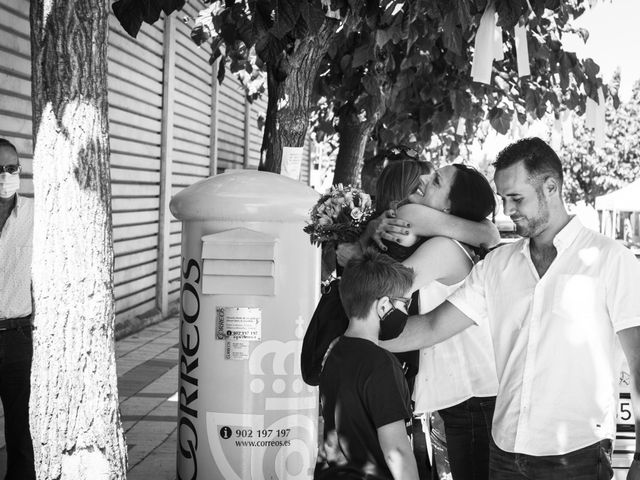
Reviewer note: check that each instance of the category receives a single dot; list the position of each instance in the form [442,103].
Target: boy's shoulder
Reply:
[365,352]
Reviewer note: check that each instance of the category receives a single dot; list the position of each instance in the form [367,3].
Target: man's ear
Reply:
[551,186]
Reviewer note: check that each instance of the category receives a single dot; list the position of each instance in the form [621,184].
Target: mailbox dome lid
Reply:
[247,195]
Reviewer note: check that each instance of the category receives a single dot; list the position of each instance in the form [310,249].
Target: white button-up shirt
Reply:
[16,246]
[557,353]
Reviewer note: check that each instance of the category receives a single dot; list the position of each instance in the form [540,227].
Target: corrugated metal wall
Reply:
[135,122]
[231,124]
[170,125]
[15,84]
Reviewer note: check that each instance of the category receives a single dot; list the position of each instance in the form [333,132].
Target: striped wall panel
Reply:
[258,109]
[192,109]
[15,84]
[231,107]
[135,121]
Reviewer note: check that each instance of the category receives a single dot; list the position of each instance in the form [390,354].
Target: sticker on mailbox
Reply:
[239,323]
[236,349]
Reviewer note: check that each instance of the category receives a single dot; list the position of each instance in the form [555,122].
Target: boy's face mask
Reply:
[392,324]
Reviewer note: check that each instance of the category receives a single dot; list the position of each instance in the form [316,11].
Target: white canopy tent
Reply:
[627,199]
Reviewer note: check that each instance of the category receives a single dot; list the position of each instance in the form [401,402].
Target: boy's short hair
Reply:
[372,276]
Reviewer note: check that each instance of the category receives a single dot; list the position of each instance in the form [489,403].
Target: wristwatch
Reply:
[636,457]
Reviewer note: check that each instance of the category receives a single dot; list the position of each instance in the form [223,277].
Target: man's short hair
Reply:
[372,276]
[6,143]
[538,158]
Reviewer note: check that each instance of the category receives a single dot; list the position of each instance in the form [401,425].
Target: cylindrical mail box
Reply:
[249,285]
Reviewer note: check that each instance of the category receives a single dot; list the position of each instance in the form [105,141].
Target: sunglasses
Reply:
[10,169]
[404,300]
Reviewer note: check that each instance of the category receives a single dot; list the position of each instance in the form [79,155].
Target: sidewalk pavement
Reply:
[147,364]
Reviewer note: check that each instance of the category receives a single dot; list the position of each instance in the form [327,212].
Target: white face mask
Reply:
[9,184]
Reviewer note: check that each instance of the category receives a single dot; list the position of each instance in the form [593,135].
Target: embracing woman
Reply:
[457,378]
[441,216]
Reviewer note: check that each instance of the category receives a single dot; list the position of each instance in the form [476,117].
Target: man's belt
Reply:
[12,323]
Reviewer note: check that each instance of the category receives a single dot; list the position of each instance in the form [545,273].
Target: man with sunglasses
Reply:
[16,234]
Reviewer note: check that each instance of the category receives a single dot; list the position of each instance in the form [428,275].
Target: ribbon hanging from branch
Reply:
[485,46]
[522,49]
[600,120]
[566,119]
[497,44]
[595,118]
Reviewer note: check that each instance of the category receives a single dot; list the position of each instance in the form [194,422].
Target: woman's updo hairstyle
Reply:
[471,195]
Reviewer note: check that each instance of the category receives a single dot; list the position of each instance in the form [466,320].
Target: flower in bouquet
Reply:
[339,216]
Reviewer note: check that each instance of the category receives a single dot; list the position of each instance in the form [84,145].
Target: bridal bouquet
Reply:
[339,216]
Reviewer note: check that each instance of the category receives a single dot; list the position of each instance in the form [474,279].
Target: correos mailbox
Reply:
[249,284]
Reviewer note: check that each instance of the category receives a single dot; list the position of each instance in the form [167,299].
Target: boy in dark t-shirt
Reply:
[363,392]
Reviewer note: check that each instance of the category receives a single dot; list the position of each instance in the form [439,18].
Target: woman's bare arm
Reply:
[429,222]
[439,258]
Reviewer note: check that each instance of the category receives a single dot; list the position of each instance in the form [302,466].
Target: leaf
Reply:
[584,34]
[286,17]
[362,55]
[269,48]
[591,68]
[345,62]
[452,34]
[214,56]
[221,69]
[129,15]
[246,31]
[371,85]
[313,15]
[510,11]
[200,35]
[464,14]
[500,120]
[170,6]
[501,83]
[383,36]
[537,6]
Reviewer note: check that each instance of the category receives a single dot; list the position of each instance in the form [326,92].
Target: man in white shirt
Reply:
[16,240]
[557,303]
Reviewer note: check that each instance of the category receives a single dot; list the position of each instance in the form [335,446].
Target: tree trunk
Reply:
[75,421]
[290,88]
[354,135]
[355,132]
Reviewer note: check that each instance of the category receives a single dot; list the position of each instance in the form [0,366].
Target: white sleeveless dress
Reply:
[458,368]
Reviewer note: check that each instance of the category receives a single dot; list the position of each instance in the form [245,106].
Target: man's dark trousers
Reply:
[16,351]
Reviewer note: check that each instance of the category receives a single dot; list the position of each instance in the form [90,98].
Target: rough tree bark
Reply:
[290,86]
[354,135]
[75,421]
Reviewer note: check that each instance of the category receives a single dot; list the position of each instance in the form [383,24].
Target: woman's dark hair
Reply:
[398,180]
[471,195]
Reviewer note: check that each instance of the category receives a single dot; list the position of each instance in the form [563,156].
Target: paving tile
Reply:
[160,464]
